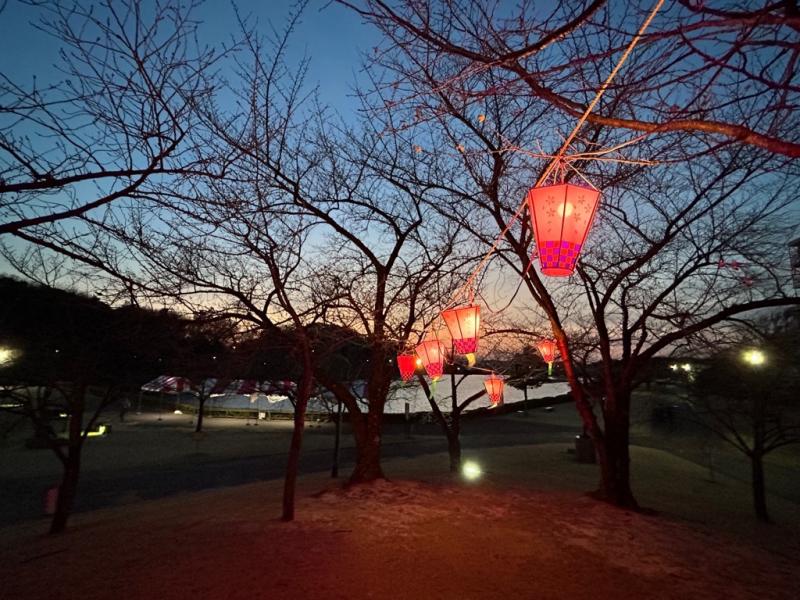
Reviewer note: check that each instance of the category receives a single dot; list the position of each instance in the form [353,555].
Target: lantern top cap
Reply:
[581,184]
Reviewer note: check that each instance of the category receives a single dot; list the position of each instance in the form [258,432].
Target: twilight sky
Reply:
[329,33]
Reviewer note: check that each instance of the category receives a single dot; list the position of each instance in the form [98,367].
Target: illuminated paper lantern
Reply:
[407,364]
[561,216]
[432,353]
[494,389]
[548,349]
[463,324]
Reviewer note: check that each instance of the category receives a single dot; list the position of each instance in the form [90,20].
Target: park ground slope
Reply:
[523,531]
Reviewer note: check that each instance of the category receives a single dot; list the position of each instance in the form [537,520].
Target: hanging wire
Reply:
[556,162]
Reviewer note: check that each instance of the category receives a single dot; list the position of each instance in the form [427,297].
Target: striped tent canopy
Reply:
[248,387]
[167,384]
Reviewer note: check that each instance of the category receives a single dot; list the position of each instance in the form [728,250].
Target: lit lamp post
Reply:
[755,358]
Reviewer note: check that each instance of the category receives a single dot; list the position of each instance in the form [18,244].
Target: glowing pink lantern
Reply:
[463,324]
[548,349]
[494,389]
[432,353]
[407,363]
[561,216]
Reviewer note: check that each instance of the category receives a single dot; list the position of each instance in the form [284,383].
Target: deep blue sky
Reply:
[329,33]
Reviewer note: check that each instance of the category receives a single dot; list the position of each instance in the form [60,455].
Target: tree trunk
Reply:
[611,445]
[613,453]
[66,492]
[454,449]
[368,450]
[368,438]
[452,429]
[759,491]
[303,393]
[615,469]
[202,402]
[337,440]
[72,465]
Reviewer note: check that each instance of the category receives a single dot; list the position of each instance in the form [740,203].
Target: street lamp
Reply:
[754,357]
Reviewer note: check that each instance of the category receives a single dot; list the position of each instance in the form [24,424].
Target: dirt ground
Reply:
[525,529]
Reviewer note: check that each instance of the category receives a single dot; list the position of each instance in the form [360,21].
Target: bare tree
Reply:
[746,396]
[124,111]
[722,71]
[678,207]
[450,421]
[72,361]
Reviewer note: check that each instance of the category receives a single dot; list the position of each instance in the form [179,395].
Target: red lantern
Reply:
[561,216]
[432,354]
[494,389]
[548,349]
[463,324]
[407,363]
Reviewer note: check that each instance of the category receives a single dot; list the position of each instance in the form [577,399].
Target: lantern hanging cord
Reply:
[558,158]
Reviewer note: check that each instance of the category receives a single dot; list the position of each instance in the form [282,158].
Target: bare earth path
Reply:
[523,531]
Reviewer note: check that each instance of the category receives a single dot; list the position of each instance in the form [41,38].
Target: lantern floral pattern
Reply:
[407,364]
[494,389]
[463,324]
[561,216]
[432,353]
[548,349]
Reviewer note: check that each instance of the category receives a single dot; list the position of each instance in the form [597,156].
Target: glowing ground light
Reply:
[755,357]
[101,430]
[471,470]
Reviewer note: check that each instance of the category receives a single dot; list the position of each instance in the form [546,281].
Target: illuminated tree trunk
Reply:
[368,448]
[611,445]
[368,432]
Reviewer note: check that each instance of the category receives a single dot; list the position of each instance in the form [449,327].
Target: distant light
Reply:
[7,356]
[755,357]
[419,362]
[177,412]
[686,367]
[674,367]
[101,430]
[471,470]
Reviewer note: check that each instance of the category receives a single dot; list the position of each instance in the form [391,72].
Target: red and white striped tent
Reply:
[166,384]
[225,392]
[247,387]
